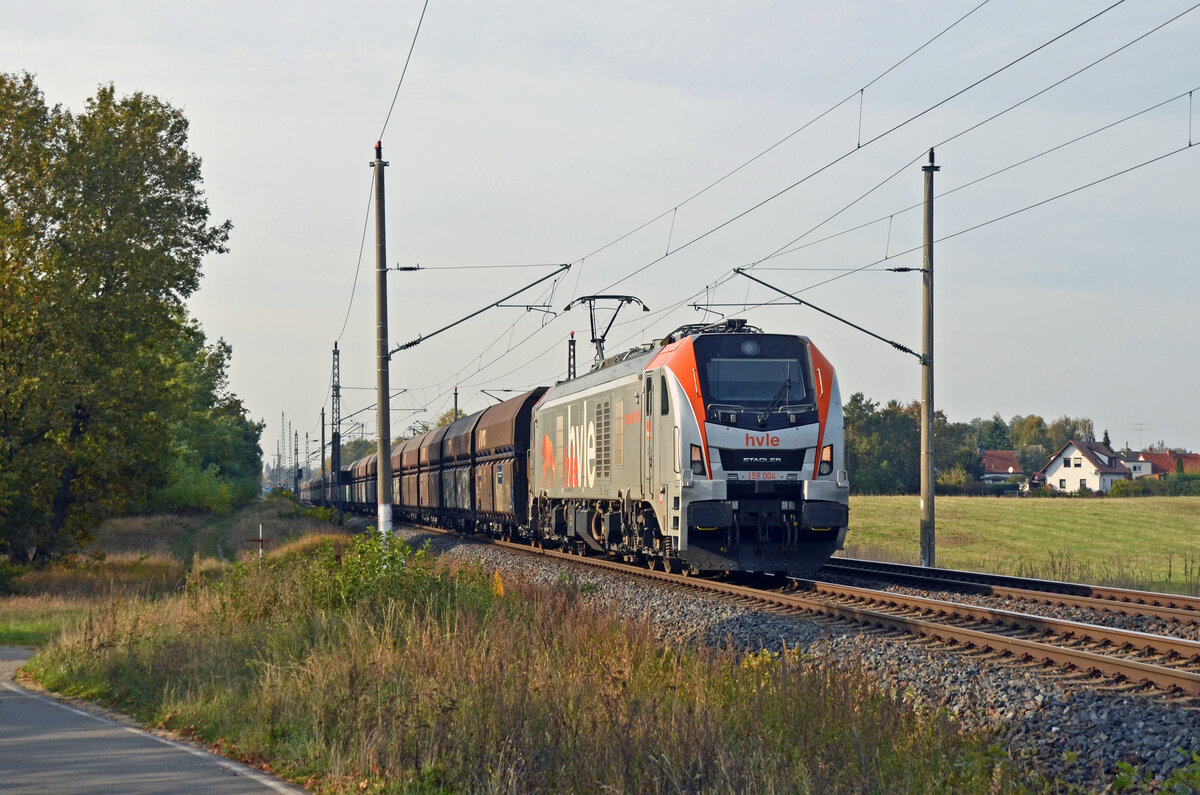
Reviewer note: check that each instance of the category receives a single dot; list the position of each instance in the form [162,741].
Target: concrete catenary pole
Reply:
[335,441]
[324,498]
[928,546]
[383,489]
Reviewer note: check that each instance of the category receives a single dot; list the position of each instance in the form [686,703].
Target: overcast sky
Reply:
[539,132]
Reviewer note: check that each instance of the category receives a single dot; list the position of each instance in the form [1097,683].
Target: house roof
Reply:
[1001,462]
[1096,454]
[1165,462]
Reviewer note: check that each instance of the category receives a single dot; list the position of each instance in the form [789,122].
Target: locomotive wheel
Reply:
[651,563]
[670,566]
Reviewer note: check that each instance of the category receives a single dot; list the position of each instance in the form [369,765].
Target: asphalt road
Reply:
[49,746]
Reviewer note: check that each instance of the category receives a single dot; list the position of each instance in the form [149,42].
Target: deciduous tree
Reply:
[103,225]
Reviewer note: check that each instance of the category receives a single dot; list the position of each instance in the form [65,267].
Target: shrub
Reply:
[1176,485]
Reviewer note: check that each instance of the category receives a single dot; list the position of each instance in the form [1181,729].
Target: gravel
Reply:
[1065,729]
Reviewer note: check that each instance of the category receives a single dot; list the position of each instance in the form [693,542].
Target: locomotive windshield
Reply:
[753,371]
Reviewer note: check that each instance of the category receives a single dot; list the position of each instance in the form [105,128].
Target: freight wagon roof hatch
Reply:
[498,426]
[431,445]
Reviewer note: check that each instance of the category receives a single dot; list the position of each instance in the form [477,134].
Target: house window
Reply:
[1083,483]
[1078,462]
[1062,483]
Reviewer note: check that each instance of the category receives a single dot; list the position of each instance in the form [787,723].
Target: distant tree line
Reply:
[883,444]
[111,398]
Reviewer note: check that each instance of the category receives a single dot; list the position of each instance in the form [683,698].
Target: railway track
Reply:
[1171,607]
[1111,656]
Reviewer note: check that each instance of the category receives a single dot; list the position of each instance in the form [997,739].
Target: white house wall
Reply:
[1140,469]
[1073,475]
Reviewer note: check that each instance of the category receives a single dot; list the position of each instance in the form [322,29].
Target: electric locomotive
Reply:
[719,448]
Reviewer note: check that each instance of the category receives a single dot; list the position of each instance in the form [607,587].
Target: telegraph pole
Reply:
[335,427]
[280,447]
[324,482]
[296,465]
[928,550]
[384,482]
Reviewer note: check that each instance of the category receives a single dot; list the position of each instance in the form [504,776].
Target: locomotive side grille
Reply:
[619,436]
[603,439]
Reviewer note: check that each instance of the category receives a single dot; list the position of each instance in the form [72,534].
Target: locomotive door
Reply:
[661,439]
[648,436]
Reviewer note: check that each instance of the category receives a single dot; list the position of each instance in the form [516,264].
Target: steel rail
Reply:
[1162,677]
[1039,596]
[1125,638]
[1112,596]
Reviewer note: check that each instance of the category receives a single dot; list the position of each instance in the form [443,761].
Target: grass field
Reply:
[349,675]
[358,668]
[1149,543]
[138,556]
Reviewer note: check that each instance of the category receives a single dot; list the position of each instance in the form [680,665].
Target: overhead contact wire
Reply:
[785,250]
[870,141]
[404,71]
[673,211]
[786,138]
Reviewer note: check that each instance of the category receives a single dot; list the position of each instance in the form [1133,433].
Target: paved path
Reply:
[49,746]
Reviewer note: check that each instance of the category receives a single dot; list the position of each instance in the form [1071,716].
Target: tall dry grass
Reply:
[372,669]
[223,537]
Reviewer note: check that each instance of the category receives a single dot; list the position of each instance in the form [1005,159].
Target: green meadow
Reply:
[1149,543]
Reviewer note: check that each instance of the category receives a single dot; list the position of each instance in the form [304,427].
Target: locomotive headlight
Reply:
[826,465]
[750,348]
[697,460]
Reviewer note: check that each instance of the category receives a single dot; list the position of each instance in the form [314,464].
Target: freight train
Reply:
[718,448]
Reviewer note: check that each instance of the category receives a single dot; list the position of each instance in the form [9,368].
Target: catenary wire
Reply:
[1005,216]
[780,251]
[861,146]
[404,71]
[785,139]
[849,272]
[712,185]
[675,306]
[964,186]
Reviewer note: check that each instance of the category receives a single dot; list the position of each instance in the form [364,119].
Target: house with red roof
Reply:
[1081,464]
[1163,464]
[999,465]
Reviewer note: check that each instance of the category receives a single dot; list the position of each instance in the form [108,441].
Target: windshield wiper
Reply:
[785,391]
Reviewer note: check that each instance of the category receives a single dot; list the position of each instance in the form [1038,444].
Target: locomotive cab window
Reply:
[665,408]
[759,371]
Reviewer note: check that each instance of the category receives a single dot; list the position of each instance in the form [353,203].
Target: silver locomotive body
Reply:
[722,449]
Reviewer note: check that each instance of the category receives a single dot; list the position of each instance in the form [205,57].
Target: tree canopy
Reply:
[109,394]
[883,452]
